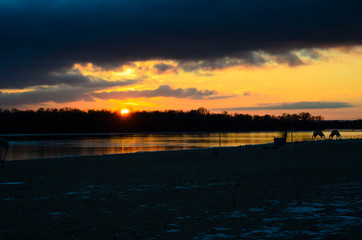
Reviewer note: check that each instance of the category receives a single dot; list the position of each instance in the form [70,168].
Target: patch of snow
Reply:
[222,229]
[303,209]
[267,230]
[274,219]
[344,210]
[256,209]
[236,214]
[215,184]
[8,199]
[213,236]
[56,213]
[72,193]
[349,218]
[186,187]
[12,183]
[315,204]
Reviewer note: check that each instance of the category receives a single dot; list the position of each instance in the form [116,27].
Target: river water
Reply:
[37,146]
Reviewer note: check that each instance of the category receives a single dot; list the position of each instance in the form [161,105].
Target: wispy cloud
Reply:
[291,106]
[162,91]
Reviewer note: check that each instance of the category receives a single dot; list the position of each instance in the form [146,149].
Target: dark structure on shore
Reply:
[4,146]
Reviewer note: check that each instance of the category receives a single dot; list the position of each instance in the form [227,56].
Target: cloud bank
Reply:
[291,106]
[162,91]
[66,93]
[42,39]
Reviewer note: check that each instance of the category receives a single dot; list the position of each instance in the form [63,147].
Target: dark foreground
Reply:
[297,191]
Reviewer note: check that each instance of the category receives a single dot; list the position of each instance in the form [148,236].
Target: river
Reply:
[37,146]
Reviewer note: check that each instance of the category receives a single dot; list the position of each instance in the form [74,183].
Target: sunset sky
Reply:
[257,57]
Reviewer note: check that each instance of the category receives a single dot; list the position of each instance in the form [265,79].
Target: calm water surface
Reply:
[34,146]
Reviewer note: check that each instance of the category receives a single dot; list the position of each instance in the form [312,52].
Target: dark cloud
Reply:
[246,59]
[289,58]
[59,94]
[162,67]
[40,38]
[65,93]
[162,91]
[98,84]
[292,106]
[311,54]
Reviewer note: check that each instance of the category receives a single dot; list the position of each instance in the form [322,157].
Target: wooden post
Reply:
[4,145]
[219,140]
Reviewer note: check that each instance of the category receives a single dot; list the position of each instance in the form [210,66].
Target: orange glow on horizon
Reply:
[334,77]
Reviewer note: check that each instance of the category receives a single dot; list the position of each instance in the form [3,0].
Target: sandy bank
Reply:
[297,191]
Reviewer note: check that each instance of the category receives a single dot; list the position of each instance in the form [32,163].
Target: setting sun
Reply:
[124,111]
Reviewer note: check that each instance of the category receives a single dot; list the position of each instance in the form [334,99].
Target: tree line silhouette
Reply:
[72,120]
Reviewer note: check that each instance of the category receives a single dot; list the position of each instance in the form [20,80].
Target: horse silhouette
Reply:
[335,133]
[317,133]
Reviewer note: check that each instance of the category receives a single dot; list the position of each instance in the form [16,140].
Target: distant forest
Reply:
[70,120]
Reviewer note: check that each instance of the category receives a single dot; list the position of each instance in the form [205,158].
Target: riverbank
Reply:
[39,146]
[308,190]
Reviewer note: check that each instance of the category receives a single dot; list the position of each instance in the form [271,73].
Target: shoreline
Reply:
[319,141]
[304,190]
[172,132]
[62,146]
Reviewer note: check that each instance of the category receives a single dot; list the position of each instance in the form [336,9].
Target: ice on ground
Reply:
[186,187]
[214,236]
[222,229]
[266,230]
[94,186]
[303,209]
[72,193]
[344,210]
[273,201]
[275,219]
[256,209]
[173,224]
[338,204]
[216,184]
[236,214]
[328,228]
[315,204]
[42,198]
[12,183]
[181,218]
[349,218]
[8,199]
